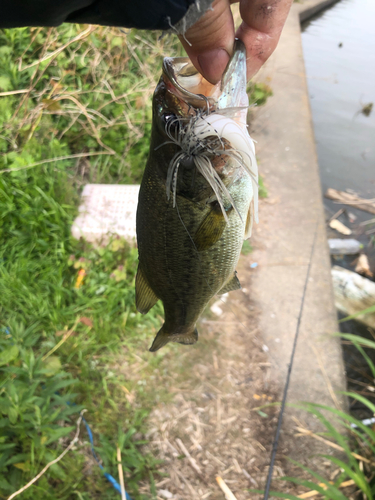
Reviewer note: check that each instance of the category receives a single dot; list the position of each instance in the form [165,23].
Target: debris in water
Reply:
[352,217]
[351,199]
[338,246]
[353,294]
[367,108]
[363,266]
[367,222]
[337,214]
[340,227]
[366,421]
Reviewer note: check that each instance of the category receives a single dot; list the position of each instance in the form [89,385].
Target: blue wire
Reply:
[110,478]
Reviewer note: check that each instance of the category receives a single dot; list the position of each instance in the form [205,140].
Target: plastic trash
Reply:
[354,294]
[366,421]
[338,246]
[340,227]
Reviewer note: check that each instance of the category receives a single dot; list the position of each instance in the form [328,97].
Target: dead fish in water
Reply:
[198,196]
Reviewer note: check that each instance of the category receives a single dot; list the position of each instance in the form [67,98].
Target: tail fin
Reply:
[163,337]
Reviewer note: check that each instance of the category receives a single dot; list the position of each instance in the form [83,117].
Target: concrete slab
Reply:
[105,210]
[284,238]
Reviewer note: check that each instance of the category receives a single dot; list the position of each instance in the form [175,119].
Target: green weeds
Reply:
[355,467]
[83,89]
[258,93]
[81,94]
[59,343]
[263,192]
[246,248]
[75,107]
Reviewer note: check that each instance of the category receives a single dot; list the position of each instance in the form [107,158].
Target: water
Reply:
[339,52]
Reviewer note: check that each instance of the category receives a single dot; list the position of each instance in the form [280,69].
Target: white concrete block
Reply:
[106,209]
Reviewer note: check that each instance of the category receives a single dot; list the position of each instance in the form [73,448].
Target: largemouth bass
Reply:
[198,195]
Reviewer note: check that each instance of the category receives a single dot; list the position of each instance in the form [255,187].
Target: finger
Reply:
[263,21]
[211,40]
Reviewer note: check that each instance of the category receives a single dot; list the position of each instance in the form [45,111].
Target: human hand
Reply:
[212,37]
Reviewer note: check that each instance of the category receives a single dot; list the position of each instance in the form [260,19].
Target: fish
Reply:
[198,196]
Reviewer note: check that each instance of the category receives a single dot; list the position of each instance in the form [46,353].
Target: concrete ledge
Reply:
[310,8]
[284,237]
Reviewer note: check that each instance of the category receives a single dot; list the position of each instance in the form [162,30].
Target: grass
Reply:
[258,92]
[355,466]
[84,96]
[81,94]
[40,305]
[246,248]
[88,93]
[263,192]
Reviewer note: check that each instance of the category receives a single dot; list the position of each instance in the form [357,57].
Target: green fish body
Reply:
[190,230]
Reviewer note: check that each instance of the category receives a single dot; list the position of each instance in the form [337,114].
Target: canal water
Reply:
[339,53]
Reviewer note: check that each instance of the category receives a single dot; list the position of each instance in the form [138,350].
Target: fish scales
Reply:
[188,247]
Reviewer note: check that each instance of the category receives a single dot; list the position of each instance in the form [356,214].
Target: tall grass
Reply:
[75,107]
[81,94]
[348,436]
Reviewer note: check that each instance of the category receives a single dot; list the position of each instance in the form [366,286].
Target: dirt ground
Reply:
[221,419]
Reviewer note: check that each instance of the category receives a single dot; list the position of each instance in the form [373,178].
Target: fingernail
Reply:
[213,64]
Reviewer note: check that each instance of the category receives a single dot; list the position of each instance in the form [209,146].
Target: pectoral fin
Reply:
[145,298]
[232,284]
[163,337]
[210,230]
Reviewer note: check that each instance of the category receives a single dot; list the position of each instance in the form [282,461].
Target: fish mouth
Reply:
[187,84]
[208,124]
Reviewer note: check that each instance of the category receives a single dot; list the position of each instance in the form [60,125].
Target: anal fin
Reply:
[145,298]
[232,284]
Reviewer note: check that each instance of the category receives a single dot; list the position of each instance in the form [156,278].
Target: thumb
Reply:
[211,40]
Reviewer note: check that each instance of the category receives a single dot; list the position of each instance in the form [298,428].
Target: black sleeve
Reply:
[142,14]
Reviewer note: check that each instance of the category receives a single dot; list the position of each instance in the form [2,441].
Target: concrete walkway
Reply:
[289,218]
[241,360]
